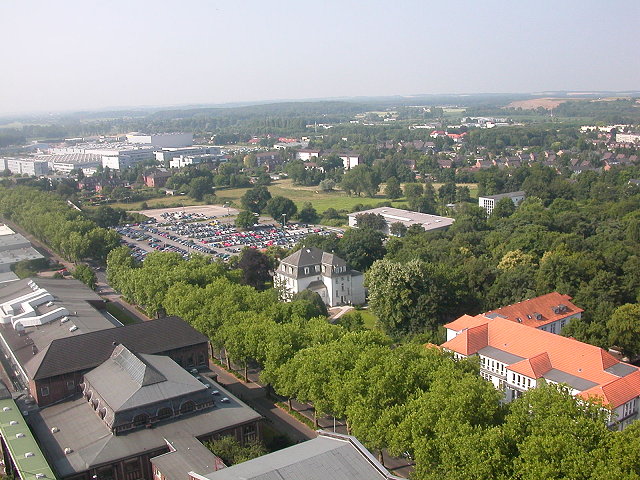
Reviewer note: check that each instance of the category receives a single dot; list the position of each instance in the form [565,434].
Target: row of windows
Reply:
[521,381]
[493,365]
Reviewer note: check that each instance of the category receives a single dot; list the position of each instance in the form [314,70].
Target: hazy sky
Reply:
[72,54]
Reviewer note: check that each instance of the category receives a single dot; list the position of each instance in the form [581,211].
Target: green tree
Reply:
[86,275]
[361,247]
[255,267]
[245,220]
[412,297]
[255,199]
[624,328]
[360,179]
[199,187]
[392,189]
[373,221]
[308,214]
[503,209]
[398,229]
[279,207]
[231,452]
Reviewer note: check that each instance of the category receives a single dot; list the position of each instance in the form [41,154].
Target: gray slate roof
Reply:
[308,256]
[92,443]
[504,195]
[82,352]
[335,457]
[141,380]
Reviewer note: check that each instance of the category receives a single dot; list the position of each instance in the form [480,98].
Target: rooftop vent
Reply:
[49,304]
[73,328]
[6,409]
[519,320]
[13,422]
[29,454]
[20,435]
[40,475]
[224,400]
[55,429]
[64,319]
[67,451]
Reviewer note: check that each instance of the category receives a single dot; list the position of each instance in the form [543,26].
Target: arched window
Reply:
[188,406]
[140,419]
[102,413]
[164,412]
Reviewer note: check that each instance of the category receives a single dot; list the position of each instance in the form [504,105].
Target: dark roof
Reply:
[82,352]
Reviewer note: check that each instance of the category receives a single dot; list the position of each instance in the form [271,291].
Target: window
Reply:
[249,432]
[141,419]
[306,270]
[44,391]
[165,412]
[188,406]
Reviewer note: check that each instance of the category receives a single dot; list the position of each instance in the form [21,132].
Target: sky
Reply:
[83,54]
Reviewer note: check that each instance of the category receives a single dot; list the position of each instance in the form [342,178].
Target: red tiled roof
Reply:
[534,367]
[617,392]
[543,305]
[543,351]
[466,321]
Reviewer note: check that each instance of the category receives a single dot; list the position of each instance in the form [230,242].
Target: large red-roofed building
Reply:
[516,357]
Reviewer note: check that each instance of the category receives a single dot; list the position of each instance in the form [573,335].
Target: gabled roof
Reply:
[308,256]
[82,352]
[534,367]
[141,380]
[538,311]
[544,353]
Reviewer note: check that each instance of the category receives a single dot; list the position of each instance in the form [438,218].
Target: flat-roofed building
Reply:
[13,249]
[406,217]
[21,455]
[162,140]
[488,202]
[24,166]
[169,153]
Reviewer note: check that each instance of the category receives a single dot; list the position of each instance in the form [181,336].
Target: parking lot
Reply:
[215,235]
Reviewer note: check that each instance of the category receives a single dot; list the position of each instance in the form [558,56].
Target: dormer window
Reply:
[306,270]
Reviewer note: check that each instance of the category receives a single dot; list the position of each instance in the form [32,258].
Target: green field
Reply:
[321,200]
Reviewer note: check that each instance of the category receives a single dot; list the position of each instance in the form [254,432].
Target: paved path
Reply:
[254,395]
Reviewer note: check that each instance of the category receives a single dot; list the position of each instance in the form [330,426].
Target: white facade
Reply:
[489,202]
[350,160]
[24,166]
[162,140]
[323,273]
[628,137]
[307,155]
[168,154]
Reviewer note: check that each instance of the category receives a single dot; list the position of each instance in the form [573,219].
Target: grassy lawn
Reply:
[369,319]
[321,200]
[123,317]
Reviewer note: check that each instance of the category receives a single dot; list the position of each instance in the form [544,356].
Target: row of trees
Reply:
[405,398]
[46,216]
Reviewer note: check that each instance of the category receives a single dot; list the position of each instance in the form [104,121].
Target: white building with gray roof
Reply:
[324,273]
[406,217]
[489,202]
